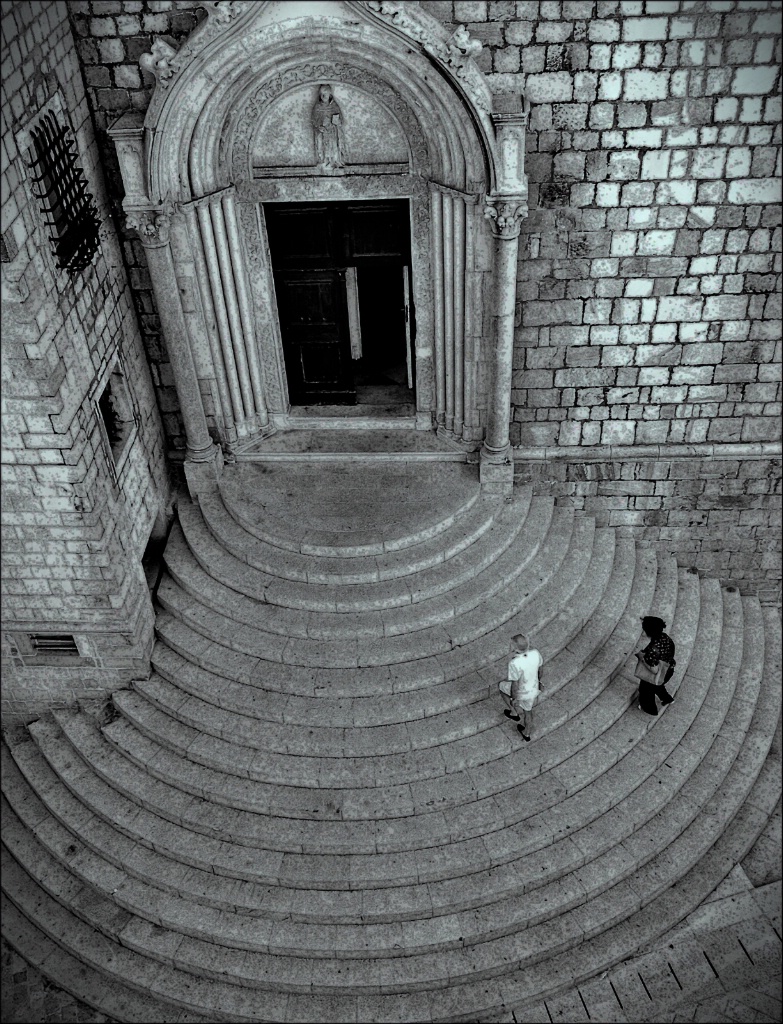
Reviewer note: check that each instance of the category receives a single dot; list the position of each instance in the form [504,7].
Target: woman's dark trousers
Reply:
[649,691]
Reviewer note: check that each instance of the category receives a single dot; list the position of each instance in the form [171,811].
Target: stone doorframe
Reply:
[195,193]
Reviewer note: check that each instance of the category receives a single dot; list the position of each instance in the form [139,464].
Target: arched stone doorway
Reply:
[233,126]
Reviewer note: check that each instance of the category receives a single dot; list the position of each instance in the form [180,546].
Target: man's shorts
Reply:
[525,701]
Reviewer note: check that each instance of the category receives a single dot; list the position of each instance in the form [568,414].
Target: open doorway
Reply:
[342,280]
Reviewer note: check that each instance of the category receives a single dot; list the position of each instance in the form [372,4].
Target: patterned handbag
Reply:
[644,672]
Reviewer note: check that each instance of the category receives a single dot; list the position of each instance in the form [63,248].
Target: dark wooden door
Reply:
[314,328]
[312,245]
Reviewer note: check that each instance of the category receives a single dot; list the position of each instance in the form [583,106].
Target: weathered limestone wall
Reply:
[72,535]
[649,274]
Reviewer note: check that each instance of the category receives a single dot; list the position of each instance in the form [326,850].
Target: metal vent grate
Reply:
[53,643]
[60,186]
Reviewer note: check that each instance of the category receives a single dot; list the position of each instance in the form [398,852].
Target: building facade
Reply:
[577,204]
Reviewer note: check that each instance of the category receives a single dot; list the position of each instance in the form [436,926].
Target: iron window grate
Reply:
[53,643]
[61,188]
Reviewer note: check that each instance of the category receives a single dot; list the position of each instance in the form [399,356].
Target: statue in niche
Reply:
[327,120]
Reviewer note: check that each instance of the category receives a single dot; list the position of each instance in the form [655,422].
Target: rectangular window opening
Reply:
[53,643]
[116,415]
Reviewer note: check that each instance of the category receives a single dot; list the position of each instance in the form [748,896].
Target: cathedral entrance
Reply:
[302,171]
[341,273]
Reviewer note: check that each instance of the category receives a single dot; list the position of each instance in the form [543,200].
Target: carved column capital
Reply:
[153,226]
[505,215]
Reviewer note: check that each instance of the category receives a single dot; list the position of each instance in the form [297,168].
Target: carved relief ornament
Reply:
[153,226]
[458,51]
[164,62]
[505,215]
[317,73]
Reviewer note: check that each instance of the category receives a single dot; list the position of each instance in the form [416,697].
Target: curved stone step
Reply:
[206,577]
[481,816]
[91,985]
[441,576]
[371,802]
[380,499]
[396,973]
[547,609]
[215,738]
[563,645]
[222,858]
[484,519]
[709,766]
[546,977]
[404,720]
[498,592]
[545,571]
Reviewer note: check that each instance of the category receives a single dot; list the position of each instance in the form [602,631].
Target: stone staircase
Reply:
[314,809]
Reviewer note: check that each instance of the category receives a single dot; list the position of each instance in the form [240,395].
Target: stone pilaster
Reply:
[204,460]
[505,215]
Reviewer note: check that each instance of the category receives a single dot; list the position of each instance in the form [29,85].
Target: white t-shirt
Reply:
[524,667]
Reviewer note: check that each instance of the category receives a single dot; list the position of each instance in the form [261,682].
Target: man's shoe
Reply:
[511,715]
[523,734]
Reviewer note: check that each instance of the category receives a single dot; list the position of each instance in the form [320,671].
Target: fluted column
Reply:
[203,459]
[505,215]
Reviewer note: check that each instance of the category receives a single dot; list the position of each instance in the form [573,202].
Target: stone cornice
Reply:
[631,452]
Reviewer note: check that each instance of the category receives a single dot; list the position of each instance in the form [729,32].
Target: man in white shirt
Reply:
[520,690]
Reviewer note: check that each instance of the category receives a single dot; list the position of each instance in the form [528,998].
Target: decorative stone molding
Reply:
[457,51]
[127,132]
[223,12]
[505,215]
[164,62]
[510,133]
[322,71]
[152,226]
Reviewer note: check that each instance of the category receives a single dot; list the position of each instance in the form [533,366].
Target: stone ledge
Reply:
[631,452]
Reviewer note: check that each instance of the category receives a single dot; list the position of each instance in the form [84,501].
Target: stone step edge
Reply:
[601,951]
[161,811]
[480,519]
[433,676]
[456,531]
[140,762]
[431,606]
[648,855]
[490,972]
[319,544]
[494,527]
[683,783]
[663,599]
[350,597]
[590,694]
[114,999]
[454,612]
[361,652]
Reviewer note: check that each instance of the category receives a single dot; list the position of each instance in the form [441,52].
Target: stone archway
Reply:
[199,168]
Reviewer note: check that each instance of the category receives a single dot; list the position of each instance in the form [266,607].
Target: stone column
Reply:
[204,459]
[505,215]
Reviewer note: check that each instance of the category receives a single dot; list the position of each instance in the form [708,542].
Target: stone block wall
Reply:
[646,385]
[649,307]
[75,523]
[110,37]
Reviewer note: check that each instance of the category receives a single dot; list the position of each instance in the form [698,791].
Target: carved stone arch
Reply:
[191,163]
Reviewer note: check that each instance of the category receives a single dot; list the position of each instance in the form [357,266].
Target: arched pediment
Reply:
[243,65]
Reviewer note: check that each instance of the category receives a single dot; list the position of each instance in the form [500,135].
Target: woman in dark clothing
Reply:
[659,649]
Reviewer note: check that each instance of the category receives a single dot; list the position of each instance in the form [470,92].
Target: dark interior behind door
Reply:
[311,246]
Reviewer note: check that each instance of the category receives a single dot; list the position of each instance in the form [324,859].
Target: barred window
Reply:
[60,186]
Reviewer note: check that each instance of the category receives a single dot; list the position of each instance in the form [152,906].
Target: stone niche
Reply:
[372,138]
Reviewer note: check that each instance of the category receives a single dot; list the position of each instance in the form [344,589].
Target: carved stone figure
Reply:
[461,46]
[327,121]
